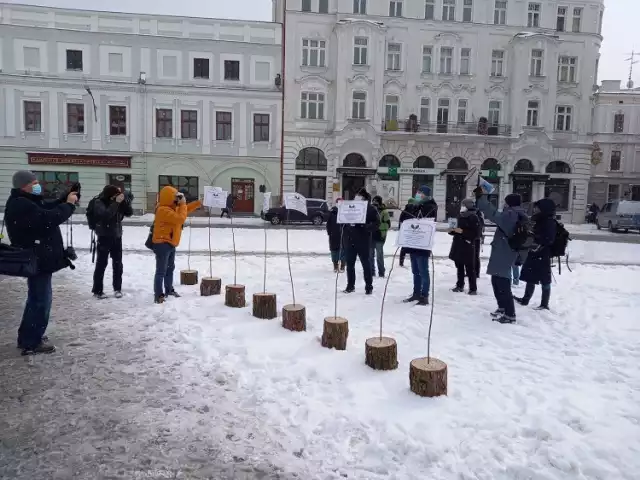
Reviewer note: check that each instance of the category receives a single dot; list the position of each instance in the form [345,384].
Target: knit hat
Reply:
[425,190]
[110,191]
[513,200]
[23,178]
[468,203]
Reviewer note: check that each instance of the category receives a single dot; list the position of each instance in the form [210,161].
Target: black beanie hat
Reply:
[513,200]
[110,191]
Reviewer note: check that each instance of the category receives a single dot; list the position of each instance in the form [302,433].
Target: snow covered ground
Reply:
[197,390]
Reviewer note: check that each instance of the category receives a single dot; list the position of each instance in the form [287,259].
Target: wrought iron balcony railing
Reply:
[463,128]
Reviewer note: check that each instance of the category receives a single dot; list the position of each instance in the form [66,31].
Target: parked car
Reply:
[317,213]
[619,215]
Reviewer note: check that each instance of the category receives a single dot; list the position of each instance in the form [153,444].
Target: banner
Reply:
[214,197]
[295,201]
[417,233]
[352,212]
[266,202]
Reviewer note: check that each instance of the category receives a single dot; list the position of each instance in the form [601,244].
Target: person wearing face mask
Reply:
[35,223]
[464,245]
[379,237]
[109,209]
[424,207]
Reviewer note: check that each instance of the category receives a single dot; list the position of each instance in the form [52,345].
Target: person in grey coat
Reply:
[502,255]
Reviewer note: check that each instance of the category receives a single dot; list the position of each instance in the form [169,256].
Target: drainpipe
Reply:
[284,48]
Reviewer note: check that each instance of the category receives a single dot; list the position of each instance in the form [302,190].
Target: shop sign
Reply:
[356,172]
[415,171]
[493,173]
[528,177]
[79,160]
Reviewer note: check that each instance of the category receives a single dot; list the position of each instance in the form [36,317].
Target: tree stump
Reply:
[210,286]
[335,333]
[234,296]
[428,379]
[188,277]
[381,353]
[294,317]
[264,305]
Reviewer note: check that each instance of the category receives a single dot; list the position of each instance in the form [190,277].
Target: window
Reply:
[536,63]
[497,63]
[600,22]
[224,126]
[261,127]
[232,70]
[55,183]
[188,185]
[427,59]
[358,106]
[500,12]
[635,193]
[360,6]
[170,66]
[75,117]
[312,106]
[31,57]
[117,120]
[494,112]
[449,10]
[74,60]
[577,20]
[115,63]
[323,6]
[533,111]
[391,108]
[533,16]
[311,187]
[613,194]
[563,118]
[314,53]
[395,8]
[467,11]
[462,111]
[164,123]
[123,182]
[616,161]
[201,68]
[446,60]
[32,117]
[311,158]
[567,67]
[262,71]
[557,189]
[618,123]
[360,50]
[465,61]
[425,110]
[429,9]
[394,56]
[306,5]
[443,111]
[561,20]
[189,124]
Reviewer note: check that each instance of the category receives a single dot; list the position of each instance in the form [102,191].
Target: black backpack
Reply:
[522,237]
[559,246]
[90,213]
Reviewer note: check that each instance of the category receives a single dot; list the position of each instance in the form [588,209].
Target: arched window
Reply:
[558,167]
[490,164]
[423,162]
[389,161]
[311,158]
[523,165]
[457,163]
[354,160]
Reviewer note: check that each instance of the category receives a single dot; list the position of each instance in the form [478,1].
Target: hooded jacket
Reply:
[109,215]
[463,244]
[537,266]
[170,217]
[380,235]
[334,230]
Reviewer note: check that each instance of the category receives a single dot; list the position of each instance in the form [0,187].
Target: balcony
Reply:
[463,128]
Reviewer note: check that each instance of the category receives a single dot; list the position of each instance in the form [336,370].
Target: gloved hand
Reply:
[478,192]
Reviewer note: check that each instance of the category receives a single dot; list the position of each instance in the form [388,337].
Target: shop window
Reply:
[558,167]
[354,160]
[187,185]
[311,159]
[558,189]
[457,163]
[311,187]
[423,162]
[523,165]
[54,184]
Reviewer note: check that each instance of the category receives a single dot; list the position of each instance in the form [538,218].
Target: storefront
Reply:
[311,173]
[456,187]
[387,181]
[354,173]
[490,171]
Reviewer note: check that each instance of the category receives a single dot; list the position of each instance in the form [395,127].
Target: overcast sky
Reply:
[621,31]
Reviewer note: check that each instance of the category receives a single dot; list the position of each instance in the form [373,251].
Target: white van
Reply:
[620,215]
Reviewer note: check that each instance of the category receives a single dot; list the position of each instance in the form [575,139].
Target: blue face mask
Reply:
[418,197]
[36,189]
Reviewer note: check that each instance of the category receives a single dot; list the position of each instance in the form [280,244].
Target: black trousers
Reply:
[469,265]
[403,254]
[108,247]
[478,247]
[504,297]
[362,251]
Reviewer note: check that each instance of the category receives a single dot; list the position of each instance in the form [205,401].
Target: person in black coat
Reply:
[334,231]
[407,213]
[537,267]
[109,210]
[357,242]
[34,223]
[231,200]
[479,241]
[463,247]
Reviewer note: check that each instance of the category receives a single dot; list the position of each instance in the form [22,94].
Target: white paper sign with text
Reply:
[266,202]
[417,233]
[214,197]
[352,212]
[295,201]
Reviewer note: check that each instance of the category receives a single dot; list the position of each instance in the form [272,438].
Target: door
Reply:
[456,190]
[243,191]
[351,186]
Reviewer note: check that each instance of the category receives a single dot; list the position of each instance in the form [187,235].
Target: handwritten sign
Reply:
[352,212]
[418,234]
[266,202]
[295,201]
[214,197]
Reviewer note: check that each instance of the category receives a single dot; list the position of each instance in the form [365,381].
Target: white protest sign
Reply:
[214,197]
[295,201]
[266,202]
[417,233]
[352,212]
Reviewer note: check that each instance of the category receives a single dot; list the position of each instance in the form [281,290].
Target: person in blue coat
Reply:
[502,255]
[537,267]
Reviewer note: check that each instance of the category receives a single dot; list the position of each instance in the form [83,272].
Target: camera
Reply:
[75,188]
[128,196]
[70,255]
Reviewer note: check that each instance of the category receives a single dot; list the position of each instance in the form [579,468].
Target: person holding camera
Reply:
[109,209]
[171,213]
[34,223]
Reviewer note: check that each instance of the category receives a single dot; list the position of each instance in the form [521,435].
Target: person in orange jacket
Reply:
[171,213]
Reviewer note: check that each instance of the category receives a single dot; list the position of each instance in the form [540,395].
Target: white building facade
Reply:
[140,101]
[616,158]
[392,95]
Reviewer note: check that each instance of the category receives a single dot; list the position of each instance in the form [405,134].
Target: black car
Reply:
[317,213]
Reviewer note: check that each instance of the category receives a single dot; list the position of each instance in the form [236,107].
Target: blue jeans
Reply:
[420,270]
[165,265]
[36,312]
[515,274]
[377,254]
[338,255]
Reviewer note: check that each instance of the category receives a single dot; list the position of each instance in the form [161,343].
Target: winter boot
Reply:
[342,267]
[544,302]
[368,290]
[159,299]
[173,293]
[473,292]
[118,294]
[349,289]
[42,348]
[504,319]
[413,298]
[45,339]
[423,301]
[498,313]
[528,293]
[335,267]
[457,289]
[99,296]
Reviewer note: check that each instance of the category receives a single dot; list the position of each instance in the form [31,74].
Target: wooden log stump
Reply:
[335,333]
[210,286]
[381,353]
[294,317]
[264,305]
[188,277]
[428,379]
[234,296]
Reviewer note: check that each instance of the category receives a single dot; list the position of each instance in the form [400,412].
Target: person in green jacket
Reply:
[379,237]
